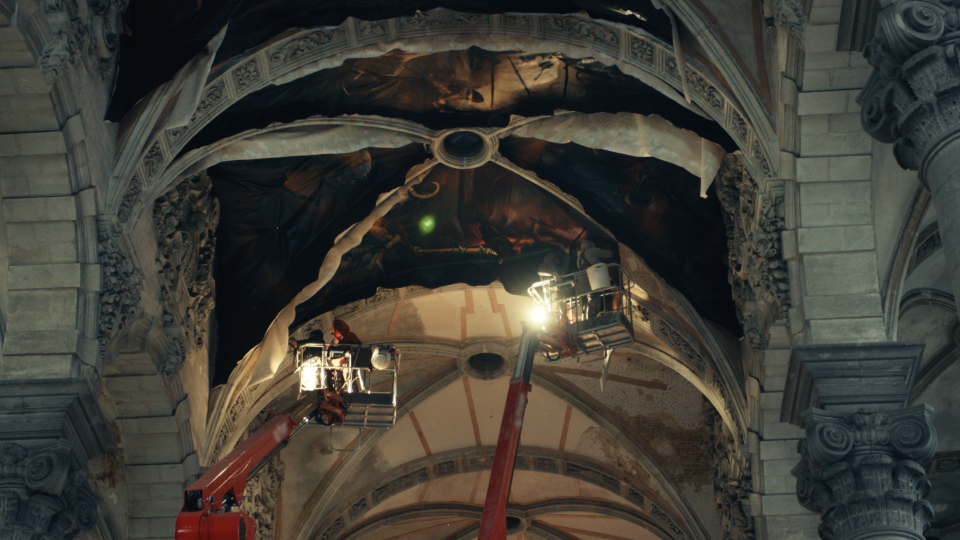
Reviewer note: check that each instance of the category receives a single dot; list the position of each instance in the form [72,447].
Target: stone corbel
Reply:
[186,218]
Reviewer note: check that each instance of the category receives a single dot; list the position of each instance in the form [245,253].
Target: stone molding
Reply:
[787,15]
[903,258]
[526,513]
[296,55]
[74,33]
[757,272]
[261,496]
[912,98]
[863,472]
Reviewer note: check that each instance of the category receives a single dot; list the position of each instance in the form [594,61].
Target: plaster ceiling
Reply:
[649,445]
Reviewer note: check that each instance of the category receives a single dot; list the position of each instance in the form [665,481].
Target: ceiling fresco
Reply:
[163,36]
[472,87]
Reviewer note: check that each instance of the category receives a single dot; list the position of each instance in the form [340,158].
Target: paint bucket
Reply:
[599,276]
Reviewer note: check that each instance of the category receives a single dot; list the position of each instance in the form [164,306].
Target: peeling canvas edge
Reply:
[630,134]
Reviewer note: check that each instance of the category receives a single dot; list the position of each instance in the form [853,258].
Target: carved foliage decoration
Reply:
[731,480]
[757,272]
[119,287]
[260,498]
[186,221]
[89,29]
[863,472]
[173,359]
[41,498]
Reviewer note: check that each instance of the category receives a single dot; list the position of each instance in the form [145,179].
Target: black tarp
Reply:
[280,217]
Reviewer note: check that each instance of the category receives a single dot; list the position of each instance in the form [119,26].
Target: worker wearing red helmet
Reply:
[342,334]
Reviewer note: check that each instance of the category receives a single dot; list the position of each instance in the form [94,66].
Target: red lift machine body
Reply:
[210,504]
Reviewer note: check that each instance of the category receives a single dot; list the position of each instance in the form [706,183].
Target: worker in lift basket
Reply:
[343,335]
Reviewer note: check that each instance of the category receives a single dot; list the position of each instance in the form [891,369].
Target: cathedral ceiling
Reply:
[303,154]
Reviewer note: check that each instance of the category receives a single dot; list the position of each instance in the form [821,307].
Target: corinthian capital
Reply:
[863,472]
[913,96]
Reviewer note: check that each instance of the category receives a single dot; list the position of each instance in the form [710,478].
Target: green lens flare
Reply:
[427,224]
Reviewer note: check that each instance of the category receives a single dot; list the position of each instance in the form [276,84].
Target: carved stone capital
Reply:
[864,472]
[42,496]
[49,429]
[862,462]
[913,96]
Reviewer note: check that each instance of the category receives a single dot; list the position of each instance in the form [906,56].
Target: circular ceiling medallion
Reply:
[464,148]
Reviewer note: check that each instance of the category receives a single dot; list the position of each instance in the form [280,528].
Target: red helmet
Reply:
[340,328]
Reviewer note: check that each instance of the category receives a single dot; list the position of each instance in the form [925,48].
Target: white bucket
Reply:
[599,276]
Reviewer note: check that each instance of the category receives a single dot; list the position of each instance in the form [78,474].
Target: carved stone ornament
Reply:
[757,272]
[84,30]
[913,95]
[186,222]
[731,480]
[260,498]
[119,286]
[173,359]
[790,17]
[41,497]
[864,472]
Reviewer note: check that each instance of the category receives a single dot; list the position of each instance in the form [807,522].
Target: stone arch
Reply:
[153,418]
[145,155]
[696,355]
[281,61]
[317,506]
[358,528]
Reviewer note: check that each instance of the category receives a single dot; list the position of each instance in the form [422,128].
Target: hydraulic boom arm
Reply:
[207,504]
[493,524]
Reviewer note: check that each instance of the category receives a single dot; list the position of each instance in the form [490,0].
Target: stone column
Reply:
[912,99]
[48,431]
[862,460]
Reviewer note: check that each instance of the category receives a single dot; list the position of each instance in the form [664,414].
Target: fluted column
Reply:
[862,462]
[912,99]
[49,429]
